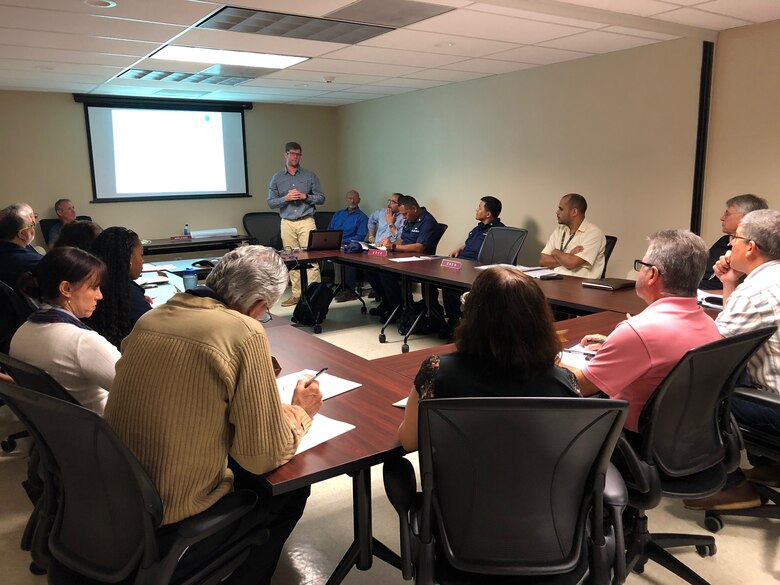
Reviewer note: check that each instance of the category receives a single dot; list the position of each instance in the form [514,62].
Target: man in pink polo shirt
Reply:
[641,351]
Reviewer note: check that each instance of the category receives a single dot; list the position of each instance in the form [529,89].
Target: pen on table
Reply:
[314,377]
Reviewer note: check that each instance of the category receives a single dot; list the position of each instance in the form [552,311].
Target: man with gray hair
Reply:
[195,399]
[641,351]
[17,231]
[754,304]
[736,208]
[66,213]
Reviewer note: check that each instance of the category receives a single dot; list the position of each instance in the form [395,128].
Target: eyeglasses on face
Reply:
[294,153]
[267,317]
[639,263]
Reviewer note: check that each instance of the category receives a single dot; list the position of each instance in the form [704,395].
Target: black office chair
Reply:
[47,224]
[322,219]
[760,443]
[502,245]
[511,488]
[108,510]
[687,447]
[608,249]
[263,228]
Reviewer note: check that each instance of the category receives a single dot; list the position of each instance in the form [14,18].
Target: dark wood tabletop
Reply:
[169,246]
[369,408]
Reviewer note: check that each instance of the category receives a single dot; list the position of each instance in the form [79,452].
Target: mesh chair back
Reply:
[14,311]
[46,225]
[608,248]
[34,378]
[108,506]
[434,243]
[502,245]
[322,219]
[264,228]
[681,424]
[512,479]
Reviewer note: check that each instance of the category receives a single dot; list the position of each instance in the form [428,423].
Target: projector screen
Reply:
[146,153]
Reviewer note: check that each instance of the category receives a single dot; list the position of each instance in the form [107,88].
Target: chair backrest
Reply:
[14,311]
[46,225]
[263,228]
[434,243]
[108,508]
[34,378]
[683,422]
[608,248]
[511,480]
[322,219]
[502,245]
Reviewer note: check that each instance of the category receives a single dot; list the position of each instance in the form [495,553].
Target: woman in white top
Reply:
[67,281]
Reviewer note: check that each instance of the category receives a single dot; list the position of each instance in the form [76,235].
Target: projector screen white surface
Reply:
[152,154]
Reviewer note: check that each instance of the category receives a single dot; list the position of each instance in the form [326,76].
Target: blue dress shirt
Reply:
[378,223]
[354,225]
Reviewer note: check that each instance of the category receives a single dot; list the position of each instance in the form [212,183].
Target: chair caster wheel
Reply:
[382,338]
[318,329]
[405,348]
[36,569]
[713,522]
[706,550]
[8,446]
[363,311]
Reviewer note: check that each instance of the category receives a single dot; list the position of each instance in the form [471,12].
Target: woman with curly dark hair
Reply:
[123,300]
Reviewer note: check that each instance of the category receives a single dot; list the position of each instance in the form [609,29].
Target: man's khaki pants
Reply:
[295,234]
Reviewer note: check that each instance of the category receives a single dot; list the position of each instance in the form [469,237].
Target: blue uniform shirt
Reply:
[475,239]
[306,182]
[354,225]
[421,231]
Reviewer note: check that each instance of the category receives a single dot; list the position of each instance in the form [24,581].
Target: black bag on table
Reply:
[320,296]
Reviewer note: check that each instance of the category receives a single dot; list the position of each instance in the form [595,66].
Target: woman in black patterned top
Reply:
[506,346]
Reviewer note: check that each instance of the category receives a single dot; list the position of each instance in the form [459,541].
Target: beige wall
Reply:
[618,128]
[744,142]
[44,157]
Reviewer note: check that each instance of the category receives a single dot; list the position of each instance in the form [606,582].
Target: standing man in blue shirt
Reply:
[296,192]
[488,212]
[354,223]
[418,235]
[386,224]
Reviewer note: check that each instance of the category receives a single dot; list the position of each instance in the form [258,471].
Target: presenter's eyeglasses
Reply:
[638,266]
[294,153]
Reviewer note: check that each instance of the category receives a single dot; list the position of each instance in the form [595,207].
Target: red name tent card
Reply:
[450,263]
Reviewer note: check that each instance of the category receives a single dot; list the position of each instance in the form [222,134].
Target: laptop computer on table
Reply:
[324,240]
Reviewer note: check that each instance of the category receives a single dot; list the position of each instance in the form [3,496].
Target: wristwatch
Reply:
[392,248]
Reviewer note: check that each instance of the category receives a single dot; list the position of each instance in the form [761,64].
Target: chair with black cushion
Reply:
[512,491]
[46,225]
[757,442]
[108,510]
[502,245]
[322,219]
[263,228]
[688,445]
[608,249]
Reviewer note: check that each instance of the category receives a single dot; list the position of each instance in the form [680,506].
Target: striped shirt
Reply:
[755,304]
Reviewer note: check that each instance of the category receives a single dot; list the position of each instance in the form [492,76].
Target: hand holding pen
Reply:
[307,394]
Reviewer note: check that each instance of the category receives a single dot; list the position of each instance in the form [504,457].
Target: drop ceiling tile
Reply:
[353,95]
[36,85]
[636,7]
[50,40]
[55,56]
[326,101]
[355,67]
[393,56]
[539,55]
[300,75]
[638,32]
[488,66]
[298,84]
[86,24]
[289,92]
[75,68]
[754,10]
[383,89]
[539,16]
[237,41]
[52,76]
[449,76]
[469,23]
[694,17]
[411,83]
[598,42]
[415,40]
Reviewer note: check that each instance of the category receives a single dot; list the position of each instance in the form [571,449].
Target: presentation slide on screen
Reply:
[158,153]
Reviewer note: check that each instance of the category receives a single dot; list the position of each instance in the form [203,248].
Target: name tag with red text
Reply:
[450,263]
[375,252]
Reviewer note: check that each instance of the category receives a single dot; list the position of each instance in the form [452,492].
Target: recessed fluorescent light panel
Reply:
[218,56]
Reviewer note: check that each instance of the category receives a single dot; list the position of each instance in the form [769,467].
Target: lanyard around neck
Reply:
[571,237]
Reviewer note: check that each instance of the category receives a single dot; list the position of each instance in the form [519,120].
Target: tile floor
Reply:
[748,549]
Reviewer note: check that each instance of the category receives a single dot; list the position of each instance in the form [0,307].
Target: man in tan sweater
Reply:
[195,399]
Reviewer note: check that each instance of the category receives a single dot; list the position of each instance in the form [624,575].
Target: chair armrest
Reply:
[640,477]
[401,486]
[763,397]
[615,491]
[223,513]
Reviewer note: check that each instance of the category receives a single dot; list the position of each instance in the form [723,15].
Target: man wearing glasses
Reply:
[296,192]
[17,231]
[754,304]
[385,225]
[736,208]
[641,351]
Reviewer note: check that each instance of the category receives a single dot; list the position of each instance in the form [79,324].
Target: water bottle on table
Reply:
[190,278]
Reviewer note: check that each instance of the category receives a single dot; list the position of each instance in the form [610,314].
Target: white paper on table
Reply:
[322,429]
[411,259]
[330,386]
[704,299]
[576,356]
[151,279]
[401,403]
[538,273]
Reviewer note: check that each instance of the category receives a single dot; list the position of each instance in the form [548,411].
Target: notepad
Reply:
[330,386]
[322,429]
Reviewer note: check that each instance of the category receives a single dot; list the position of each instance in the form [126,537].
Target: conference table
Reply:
[176,246]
